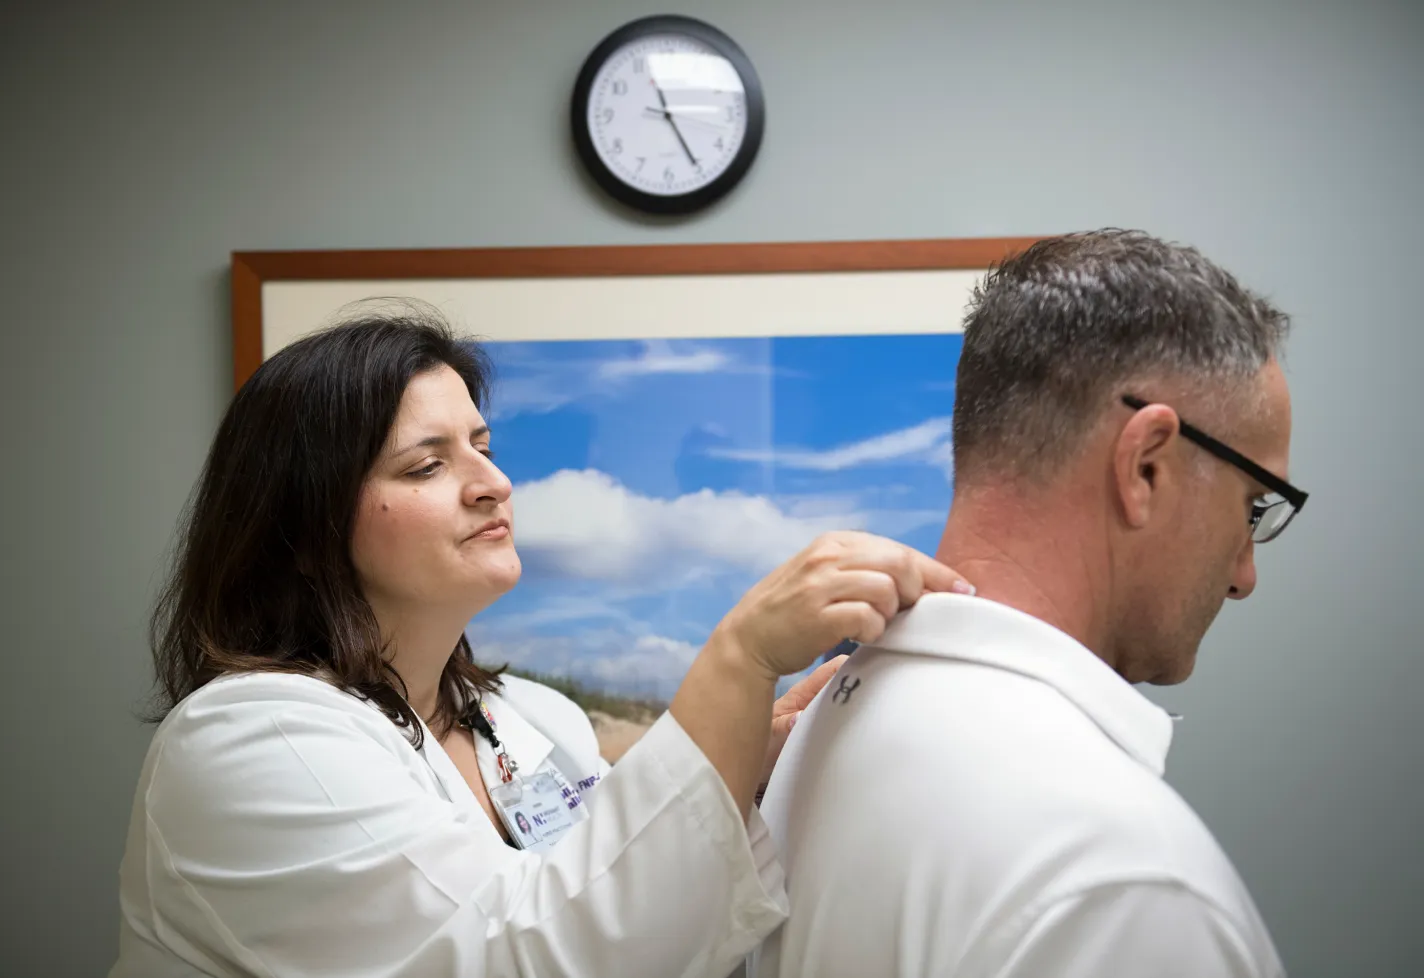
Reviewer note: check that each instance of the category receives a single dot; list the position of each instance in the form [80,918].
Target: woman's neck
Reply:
[420,643]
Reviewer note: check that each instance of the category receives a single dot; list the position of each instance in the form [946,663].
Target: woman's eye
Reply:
[487,452]
[426,471]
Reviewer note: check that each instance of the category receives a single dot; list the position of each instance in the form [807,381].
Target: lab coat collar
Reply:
[524,743]
[977,630]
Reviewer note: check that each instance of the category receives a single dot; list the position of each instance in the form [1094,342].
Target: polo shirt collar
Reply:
[978,630]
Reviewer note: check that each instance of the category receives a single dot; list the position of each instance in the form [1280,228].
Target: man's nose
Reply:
[1243,577]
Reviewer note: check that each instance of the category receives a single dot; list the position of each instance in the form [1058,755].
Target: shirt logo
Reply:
[842,693]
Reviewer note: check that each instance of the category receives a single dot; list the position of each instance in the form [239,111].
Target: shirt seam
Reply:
[1025,918]
[710,833]
[242,952]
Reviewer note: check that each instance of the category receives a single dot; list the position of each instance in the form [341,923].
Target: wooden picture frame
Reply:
[257,272]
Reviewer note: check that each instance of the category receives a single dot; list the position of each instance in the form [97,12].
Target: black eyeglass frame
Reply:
[1296,497]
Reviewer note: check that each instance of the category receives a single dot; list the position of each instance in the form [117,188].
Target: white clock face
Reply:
[667,114]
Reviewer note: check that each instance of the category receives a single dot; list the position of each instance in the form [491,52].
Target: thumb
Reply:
[780,730]
[781,726]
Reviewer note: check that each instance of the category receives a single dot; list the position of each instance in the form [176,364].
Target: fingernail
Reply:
[794,717]
[962,587]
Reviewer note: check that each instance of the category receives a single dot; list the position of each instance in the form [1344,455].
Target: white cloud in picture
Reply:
[631,662]
[942,455]
[587,524]
[529,383]
[920,442]
[659,357]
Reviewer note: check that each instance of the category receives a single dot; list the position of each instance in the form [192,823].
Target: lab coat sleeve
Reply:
[1157,928]
[296,841]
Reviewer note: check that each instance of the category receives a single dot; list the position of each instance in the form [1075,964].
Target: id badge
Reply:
[537,810]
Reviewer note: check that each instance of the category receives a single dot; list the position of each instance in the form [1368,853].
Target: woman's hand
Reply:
[786,709]
[845,585]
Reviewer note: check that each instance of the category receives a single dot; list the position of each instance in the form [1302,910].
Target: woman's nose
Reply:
[486,482]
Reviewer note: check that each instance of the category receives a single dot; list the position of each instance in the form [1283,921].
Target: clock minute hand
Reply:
[673,122]
[685,118]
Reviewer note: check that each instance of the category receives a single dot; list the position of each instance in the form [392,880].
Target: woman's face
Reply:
[434,526]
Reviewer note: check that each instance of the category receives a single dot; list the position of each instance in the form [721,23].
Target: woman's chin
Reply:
[498,577]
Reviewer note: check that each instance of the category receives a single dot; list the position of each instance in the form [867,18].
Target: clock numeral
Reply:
[641,160]
[606,115]
[640,65]
[616,147]
[620,87]
[668,175]
[731,114]
[718,144]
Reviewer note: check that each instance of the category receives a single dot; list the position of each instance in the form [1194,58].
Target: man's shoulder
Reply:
[985,786]
[936,700]
[998,761]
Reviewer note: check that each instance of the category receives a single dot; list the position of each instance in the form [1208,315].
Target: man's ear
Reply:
[1140,472]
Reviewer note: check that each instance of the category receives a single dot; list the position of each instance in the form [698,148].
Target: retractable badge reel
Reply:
[536,809]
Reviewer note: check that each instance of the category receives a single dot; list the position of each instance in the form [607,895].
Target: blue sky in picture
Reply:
[655,481]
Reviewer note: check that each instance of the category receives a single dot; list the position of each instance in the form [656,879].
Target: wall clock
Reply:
[667,114]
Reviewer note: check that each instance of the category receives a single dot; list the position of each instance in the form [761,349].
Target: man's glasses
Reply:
[1270,515]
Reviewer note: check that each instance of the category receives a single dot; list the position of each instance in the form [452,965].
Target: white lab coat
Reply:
[282,827]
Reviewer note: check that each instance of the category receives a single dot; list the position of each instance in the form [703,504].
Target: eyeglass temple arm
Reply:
[1269,479]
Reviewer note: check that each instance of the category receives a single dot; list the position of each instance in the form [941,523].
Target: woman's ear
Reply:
[1140,472]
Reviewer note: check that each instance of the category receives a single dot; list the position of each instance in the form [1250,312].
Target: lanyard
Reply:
[480,721]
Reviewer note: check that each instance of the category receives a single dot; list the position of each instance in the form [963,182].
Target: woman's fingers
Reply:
[845,585]
[857,620]
[876,588]
[940,577]
[914,573]
[786,710]
[799,697]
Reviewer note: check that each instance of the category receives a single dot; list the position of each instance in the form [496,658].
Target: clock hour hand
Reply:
[673,122]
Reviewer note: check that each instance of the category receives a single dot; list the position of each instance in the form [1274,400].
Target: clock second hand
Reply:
[673,122]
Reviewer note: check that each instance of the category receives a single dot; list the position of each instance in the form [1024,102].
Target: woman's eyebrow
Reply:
[439,441]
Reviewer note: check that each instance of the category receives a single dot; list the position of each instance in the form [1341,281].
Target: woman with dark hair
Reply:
[328,791]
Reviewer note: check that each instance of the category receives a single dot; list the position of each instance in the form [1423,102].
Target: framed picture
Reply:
[676,420]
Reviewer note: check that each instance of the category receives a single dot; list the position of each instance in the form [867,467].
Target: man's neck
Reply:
[1033,554]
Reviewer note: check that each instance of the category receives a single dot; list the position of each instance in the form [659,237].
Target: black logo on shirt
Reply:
[842,693]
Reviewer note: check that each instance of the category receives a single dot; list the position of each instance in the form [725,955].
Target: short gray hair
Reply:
[1056,333]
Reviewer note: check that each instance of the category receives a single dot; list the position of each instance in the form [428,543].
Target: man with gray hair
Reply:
[980,794]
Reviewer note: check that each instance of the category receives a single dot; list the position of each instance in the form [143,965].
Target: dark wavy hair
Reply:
[263,579]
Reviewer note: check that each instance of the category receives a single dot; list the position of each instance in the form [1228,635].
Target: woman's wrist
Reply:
[724,705]
[733,658]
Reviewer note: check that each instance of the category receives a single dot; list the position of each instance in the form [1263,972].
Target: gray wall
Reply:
[146,141]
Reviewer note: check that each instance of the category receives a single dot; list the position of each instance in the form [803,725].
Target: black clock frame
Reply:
[746,153]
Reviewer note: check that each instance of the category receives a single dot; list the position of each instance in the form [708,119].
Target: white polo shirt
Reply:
[980,795]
